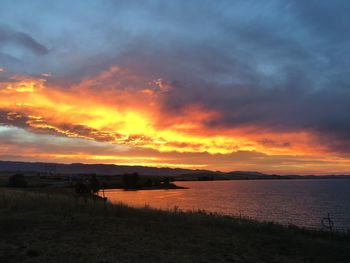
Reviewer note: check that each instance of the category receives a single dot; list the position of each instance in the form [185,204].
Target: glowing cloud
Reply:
[127,115]
[135,119]
[132,117]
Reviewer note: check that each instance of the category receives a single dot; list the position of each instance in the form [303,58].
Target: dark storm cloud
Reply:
[286,72]
[324,17]
[24,40]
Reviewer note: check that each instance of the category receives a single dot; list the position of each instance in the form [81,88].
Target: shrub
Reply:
[82,188]
[17,180]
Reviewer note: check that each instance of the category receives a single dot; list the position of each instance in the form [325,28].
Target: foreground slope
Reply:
[41,227]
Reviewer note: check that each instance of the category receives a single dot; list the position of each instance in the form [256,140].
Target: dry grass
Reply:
[43,227]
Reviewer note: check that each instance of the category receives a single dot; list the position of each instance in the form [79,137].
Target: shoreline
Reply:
[145,188]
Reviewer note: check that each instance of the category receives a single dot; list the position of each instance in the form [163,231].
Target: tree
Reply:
[166,181]
[130,181]
[94,184]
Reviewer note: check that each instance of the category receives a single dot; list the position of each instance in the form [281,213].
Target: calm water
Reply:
[300,202]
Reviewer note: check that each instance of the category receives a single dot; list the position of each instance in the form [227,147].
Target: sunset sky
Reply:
[220,85]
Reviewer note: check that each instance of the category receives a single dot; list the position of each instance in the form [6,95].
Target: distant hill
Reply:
[79,168]
[177,173]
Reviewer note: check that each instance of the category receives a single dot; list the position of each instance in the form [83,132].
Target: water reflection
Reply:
[300,202]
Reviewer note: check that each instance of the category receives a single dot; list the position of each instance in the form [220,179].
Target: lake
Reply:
[300,202]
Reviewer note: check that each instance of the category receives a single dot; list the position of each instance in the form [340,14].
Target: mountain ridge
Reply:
[179,173]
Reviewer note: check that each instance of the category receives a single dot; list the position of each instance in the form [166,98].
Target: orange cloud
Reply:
[131,117]
[120,108]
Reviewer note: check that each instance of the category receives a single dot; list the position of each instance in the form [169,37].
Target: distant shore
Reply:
[35,180]
[146,182]
[159,187]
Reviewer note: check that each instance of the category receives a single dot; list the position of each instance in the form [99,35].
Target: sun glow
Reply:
[70,113]
[134,118]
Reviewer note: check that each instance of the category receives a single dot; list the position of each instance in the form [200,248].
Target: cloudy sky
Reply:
[220,85]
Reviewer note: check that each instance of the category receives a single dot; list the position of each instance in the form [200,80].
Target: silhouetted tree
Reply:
[166,181]
[17,180]
[130,181]
[94,184]
[148,183]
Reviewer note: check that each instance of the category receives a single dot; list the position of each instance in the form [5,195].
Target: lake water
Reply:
[299,202]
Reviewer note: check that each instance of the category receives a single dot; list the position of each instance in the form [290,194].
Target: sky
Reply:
[219,85]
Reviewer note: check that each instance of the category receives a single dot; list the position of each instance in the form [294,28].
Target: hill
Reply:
[177,173]
[79,168]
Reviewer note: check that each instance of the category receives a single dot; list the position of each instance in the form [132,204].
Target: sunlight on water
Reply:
[299,202]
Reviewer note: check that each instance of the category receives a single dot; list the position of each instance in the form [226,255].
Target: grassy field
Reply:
[42,227]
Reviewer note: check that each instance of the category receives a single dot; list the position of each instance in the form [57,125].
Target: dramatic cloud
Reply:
[126,115]
[220,84]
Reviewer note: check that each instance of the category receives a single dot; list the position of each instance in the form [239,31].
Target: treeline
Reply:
[135,181]
[91,183]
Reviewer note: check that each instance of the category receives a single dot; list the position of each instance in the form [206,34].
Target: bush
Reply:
[17,180]
[131,181]
[82,188]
